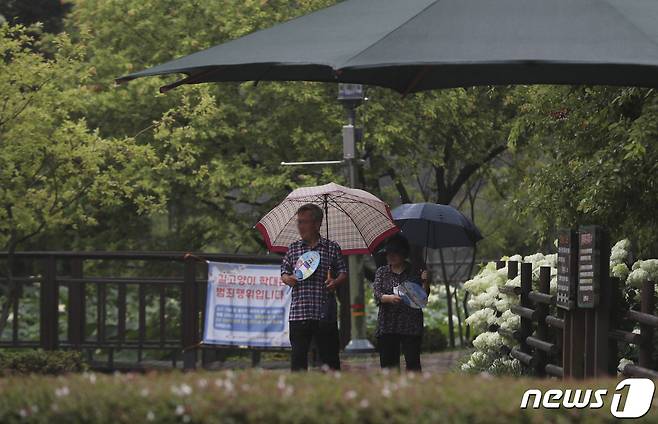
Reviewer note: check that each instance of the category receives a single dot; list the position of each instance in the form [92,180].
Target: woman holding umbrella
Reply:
[399,326]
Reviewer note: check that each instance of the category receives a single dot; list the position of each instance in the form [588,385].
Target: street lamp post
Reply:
[351,96]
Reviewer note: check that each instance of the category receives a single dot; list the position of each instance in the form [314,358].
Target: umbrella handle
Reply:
[328,277]
[326,215]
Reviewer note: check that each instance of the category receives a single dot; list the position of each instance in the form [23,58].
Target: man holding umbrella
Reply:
[313,306]
[353,222]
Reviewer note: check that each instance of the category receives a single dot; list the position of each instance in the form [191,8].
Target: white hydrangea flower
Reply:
[622,363]
[535,273]
[504,303]
[484,300]
[481,319]
[486,278]
[623,244]
[446,319]
[433,297]
[489,342]
[619,252]
[509,320]
[479,356]
[478,302]
[637,277]
[505,366]
[551,260]
[515,282]
[651,267]
[477,284]
[478,361]
[620,271]
[499,278]
[537,257]
[473,304]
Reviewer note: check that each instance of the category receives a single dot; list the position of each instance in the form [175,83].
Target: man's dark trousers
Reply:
[325,333]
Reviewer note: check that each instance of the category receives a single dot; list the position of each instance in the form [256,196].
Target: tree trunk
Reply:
[459,319]
[465,305]
[451,328]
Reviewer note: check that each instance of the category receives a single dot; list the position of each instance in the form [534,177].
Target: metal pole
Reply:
[359,342]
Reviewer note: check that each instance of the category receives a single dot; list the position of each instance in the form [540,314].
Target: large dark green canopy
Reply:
[413,45]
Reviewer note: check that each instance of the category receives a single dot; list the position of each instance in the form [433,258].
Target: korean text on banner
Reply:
[247,305]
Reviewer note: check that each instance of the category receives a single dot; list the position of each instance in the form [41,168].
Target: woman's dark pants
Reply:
[390,345]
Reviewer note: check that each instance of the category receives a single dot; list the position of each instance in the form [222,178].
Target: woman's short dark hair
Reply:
[397,243]
[315,210]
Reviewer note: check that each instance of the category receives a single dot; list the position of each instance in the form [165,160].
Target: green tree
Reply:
[437,146]
[597,161]
[221,144]
[441,138]
[55,172]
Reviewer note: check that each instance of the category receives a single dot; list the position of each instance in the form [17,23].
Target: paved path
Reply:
[439,362]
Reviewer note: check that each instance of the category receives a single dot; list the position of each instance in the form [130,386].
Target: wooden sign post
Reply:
[573,342]
[594,297]
[567,263]
[589,265]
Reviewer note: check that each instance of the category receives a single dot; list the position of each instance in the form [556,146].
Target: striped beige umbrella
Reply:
[357,220]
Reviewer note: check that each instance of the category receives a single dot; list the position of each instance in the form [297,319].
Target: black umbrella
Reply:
[415,45]
[435,226]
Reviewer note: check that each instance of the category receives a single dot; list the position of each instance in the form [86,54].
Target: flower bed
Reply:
[257,396]
[489,306]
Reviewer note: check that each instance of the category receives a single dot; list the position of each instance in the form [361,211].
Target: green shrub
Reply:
[40,361]
[434,340]
[271,397]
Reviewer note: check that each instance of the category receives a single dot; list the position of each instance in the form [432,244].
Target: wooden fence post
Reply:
[614,323]
[542,310]
[512,269]
[49,305]
[647,305]
[575,324]
[559,339]
[76,305]
[603,311]
[208,356]
[566,302]
[190,316]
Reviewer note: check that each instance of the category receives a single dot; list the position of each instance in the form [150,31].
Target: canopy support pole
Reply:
[419,76]
[191,79]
